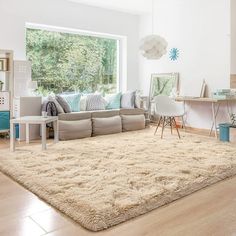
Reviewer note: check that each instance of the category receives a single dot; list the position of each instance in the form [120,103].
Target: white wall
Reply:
[15,13]
[233,37]
[201,31]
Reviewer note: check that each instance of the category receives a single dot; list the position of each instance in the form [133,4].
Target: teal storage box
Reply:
[224,132]
[4,120]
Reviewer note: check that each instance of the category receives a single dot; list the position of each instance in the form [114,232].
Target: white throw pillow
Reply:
[83,103]
[128,99]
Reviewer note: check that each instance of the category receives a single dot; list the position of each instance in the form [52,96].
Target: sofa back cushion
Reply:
[128,99]
[113,101]
[109,125]
[64,104]
[73,100]
[95,102]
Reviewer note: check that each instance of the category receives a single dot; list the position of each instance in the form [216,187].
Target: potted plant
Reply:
[1,85]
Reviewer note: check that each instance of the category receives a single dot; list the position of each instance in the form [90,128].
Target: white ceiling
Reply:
[137,7]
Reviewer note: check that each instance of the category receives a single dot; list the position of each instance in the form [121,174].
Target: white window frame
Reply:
[121,48]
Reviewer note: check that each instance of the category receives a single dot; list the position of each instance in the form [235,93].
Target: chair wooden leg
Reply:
[158,124]
[163,126]
[176,127]
[183,124]
[171,128]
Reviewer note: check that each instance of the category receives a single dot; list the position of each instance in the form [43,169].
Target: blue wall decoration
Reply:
[174,54]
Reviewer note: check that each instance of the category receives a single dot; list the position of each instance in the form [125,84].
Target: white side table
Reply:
[30,120]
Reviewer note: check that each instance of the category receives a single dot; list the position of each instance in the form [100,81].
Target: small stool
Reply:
[224,132]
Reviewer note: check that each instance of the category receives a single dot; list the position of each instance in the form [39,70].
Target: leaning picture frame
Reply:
[163,84]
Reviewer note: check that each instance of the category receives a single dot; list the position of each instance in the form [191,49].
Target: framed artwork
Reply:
[163,84]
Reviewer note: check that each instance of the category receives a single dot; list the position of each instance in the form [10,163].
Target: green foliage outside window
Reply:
[63,62]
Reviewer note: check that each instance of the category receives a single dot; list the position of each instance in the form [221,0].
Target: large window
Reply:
[65,62]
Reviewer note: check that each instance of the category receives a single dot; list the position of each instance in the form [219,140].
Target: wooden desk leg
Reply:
[27,127]
[229,109]
[43,128]
[12,137]
[213,123]
[214,118]
[55,127]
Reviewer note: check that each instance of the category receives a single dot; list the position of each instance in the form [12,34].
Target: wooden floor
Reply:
[211,211]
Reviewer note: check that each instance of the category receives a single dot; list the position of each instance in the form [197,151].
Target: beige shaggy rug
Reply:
[106,180]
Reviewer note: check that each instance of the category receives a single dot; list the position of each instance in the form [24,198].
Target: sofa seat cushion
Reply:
[75,116]
[75,129]
[135,111]
[133,122]
[105,113]
[109,125]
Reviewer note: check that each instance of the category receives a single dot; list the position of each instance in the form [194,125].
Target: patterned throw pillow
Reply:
[127,99]
[73,100]
[113,101]
[95,102]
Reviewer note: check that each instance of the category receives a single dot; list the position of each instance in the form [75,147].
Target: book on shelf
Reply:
[3,64]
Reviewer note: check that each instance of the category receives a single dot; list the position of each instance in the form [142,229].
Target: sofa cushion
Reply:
[109,125]
[75,116]
[83,103]
[95,102]
[133,122]
[135,111]
[75,129]
[64,104]
[113,101]
[104,114]
[128,99]
[73,100]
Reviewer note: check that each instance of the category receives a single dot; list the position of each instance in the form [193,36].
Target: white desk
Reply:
[29,120]
[215,105]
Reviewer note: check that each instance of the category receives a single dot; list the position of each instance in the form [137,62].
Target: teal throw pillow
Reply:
[73,100]
[113,101]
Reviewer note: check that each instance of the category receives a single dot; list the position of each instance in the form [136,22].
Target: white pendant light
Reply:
[153,46]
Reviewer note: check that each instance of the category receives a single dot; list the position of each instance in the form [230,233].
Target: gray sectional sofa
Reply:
[84,124]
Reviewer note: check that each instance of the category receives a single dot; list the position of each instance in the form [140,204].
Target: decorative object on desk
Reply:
[1,85]
[4,64]
[203,89]
[174,54]
[153,46]
[224,94]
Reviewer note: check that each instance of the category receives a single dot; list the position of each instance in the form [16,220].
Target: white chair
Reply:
[168,109]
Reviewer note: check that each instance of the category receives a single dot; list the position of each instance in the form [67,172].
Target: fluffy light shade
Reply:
[153,47]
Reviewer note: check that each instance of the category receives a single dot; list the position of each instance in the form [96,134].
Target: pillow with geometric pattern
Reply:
[95,102]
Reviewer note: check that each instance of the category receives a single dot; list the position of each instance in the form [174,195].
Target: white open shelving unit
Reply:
[7,93]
